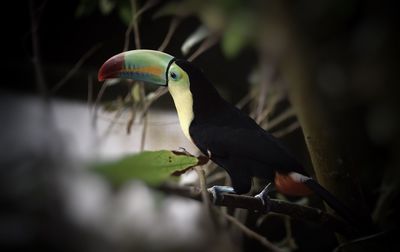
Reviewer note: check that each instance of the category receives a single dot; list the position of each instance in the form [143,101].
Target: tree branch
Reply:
[209,42]
[250,233]
[75,68]
[36,60]
[205,196]
[295,211]
[172,28]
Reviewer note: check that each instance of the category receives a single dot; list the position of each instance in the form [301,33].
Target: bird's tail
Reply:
[341,209]
[332,201]
[296,184]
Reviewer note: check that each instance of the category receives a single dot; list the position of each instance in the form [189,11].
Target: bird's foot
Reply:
[217,192]
[263,196]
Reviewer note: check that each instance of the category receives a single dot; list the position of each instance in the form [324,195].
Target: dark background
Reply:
[64,38]
[361,40]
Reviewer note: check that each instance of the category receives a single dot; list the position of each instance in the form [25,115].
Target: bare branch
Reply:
[209,42]
[154,96]
[117,115]
[90,91]
[134,22]
[215,177]
[250,233]
[288,113]
[205,196]
[131,27]
[203,188]
[289,129]
[246,99]
[295,211]
[136,26]
[265,83]
[131,120]
[40,79]
[271,105]
[96,103]
[171,30]
[149,4]
[75,68]
[144,131]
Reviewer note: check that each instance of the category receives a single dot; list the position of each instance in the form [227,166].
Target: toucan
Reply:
[227,135]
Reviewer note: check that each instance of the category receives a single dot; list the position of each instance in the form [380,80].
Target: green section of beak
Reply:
[141,65]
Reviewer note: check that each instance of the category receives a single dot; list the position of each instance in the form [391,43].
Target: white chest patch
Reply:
[184,105]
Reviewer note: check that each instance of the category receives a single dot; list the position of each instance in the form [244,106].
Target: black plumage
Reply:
[236,142]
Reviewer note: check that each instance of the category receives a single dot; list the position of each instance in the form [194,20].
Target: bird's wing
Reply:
[250,144]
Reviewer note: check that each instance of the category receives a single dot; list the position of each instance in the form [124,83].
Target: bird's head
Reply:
[149,66]
[189,88]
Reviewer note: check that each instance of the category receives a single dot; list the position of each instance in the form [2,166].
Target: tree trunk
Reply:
[326,143]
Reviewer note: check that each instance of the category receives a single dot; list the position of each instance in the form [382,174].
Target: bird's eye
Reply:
[174,75]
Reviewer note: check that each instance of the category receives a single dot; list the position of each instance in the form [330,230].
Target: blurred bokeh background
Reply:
[320,75]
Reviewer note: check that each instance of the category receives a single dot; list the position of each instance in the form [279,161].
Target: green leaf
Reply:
[125,13]
[106,6]
[238,34]
[85,7]
[152,167]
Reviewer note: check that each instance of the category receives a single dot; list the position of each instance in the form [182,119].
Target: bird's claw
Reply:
[217,192]
[264,198]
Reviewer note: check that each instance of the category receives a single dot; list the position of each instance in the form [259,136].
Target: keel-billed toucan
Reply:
[228,136]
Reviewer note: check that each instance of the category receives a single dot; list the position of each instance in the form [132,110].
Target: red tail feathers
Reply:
[286,184]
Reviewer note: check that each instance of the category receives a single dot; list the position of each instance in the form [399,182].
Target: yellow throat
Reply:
[184,105]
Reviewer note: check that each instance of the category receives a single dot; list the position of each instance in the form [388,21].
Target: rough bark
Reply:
[326,145]
[295,211]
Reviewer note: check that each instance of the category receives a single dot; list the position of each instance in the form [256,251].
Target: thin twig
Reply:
[289,129]
[75,68]
[134,24]
[208,43]
[216,177]
[132,118]
[154,96]
[250,233]
[149,4]
[271,105]
[36,60]
[144,131]
[203,187]
[90,91]
[295,211]
[152,124]
[171,30]
[246,99]
[288,113]
[97,102]
[264,84]
[117,115]
[288,240]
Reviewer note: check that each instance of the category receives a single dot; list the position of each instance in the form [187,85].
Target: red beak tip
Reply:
[111,67]
[100,76]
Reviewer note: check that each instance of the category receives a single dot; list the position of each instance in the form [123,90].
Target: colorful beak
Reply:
[141,65]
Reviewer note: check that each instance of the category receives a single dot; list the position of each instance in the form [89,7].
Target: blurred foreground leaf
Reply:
[106,6]
[152,167]
[238,34]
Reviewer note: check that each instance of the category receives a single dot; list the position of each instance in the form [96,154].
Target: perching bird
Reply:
[228,136]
